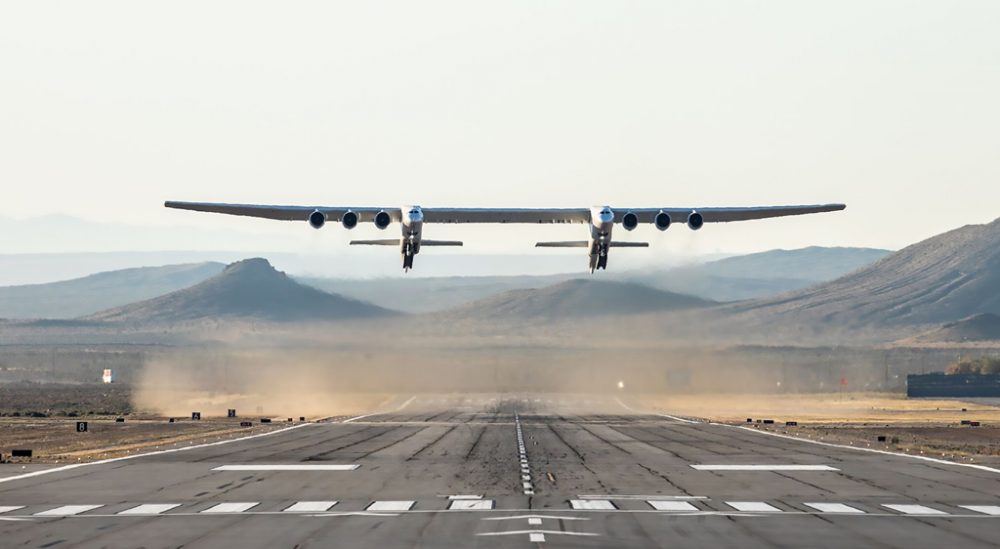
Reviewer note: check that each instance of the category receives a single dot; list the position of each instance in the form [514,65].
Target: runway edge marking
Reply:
[148,454]
[871,450]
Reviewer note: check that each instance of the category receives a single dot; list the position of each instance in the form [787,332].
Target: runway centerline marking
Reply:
[328,467]
[764,468]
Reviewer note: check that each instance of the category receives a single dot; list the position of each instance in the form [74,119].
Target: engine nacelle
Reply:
[630,221]
[662,221]
[382,219]
[317,219]
[349,220]
[695,221]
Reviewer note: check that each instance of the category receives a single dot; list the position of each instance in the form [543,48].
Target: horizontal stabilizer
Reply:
[386,242]
[564,244]
[440,243]
[615,244]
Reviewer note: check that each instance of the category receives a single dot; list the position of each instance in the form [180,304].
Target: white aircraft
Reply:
[601,219]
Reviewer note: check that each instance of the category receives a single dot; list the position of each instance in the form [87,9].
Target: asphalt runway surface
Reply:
[504,471]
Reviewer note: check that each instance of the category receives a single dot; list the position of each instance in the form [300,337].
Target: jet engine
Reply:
[630,221]
[662,221]
[695,221]
[350,220]
[382,219]
[317,219]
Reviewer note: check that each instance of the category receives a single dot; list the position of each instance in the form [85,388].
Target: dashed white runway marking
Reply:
[391,505]
[764,468]
[526,485]
[993,510]
[753,507]
[534,521]
[592,504]
[9,508]
[231,507]
[471,505]
[150,509]
[326,467]
[661,505]
[310,507]
[834,508]
[536,537]
[914,509]
[67,510]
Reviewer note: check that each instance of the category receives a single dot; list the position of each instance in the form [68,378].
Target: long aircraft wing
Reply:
[503,215]
[283,213]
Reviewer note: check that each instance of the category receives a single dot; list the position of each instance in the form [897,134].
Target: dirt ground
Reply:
[916,426]
[43,417]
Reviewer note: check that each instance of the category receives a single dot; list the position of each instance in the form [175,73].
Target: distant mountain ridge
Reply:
[942,279]
[574,299]
[87,295]
[981,327]
[250,289]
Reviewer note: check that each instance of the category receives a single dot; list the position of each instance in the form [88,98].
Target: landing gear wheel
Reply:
[602,262]
[407,262]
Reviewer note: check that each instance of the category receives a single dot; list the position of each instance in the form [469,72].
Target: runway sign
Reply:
[232,412]
[81,426]
[195,415]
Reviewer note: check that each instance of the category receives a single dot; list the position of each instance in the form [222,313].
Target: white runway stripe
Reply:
[471,505]
[834,508]
[390,506]
[536,537]
[67,510]
[914,509]
[753,506]
[150,509]
[310,507]
[764,468]
[660,505]
[329,467]
[985,509]
[232,507]
[592,504]
[9,508]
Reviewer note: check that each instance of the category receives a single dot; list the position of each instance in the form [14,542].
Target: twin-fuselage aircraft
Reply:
[601,219]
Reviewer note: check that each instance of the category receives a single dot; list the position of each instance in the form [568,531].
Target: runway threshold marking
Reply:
[224,508]
[672,505]
[67,510]
[328,467]
[592,504]
[403,505]
[9,508]
[150,509]
[993,510]
[753,507]
[310,507]
[911,509]
[764,468]
[834,508]
[471,505]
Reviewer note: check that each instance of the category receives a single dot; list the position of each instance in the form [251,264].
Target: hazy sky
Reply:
[109,108]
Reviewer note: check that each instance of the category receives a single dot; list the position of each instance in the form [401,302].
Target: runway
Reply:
[506,471]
